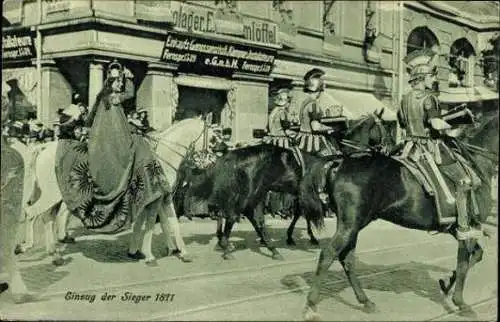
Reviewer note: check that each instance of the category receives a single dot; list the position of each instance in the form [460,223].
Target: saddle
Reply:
[438,185]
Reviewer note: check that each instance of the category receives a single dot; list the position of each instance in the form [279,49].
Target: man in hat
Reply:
[317,105]
[279,124]
[420,116]
[278,118]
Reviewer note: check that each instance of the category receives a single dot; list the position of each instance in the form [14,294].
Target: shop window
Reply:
[194,101]
[421,38]
[490,58]
[462,63]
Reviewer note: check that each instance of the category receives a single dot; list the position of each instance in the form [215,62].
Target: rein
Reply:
[481,151]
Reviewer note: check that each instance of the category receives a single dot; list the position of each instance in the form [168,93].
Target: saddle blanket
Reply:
[443,197]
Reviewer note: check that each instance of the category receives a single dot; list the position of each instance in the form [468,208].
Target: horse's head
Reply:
[183,137]
[370,132]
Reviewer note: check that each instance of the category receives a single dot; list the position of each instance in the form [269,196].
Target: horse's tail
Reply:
[32,174]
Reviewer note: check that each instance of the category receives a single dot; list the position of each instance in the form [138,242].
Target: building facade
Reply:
[225,57]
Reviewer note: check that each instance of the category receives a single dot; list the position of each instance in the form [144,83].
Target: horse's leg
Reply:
[150,212]
[463,265]
[328,254]
[220,223]
[224,242]
[50,242]
[476,257]
[62,218]
[259,226]
[289,232]
[348,261]
[136,237]
[312,239]
[171,228]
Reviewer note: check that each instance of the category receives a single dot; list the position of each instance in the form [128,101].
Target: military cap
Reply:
[142,110]
[314,73]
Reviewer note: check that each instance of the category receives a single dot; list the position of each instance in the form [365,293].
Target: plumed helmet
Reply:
[115,69]
[421,62]
[314,73]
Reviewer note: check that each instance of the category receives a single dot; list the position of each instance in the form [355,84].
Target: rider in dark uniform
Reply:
[420,117]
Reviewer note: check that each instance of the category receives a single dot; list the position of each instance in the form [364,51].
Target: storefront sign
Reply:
[216,55]
[18,45]
[201,19]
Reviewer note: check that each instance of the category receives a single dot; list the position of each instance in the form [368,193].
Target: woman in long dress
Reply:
[123,166]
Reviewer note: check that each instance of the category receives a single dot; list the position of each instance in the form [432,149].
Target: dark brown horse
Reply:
[378,187]
[240,180]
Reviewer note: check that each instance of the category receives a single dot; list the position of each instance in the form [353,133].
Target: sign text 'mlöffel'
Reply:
[214,54]
[194,18]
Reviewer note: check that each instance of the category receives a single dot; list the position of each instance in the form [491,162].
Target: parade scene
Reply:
[249,160]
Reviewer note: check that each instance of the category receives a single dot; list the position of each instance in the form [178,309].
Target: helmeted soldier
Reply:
[279,118]
[317,105]
[420,116]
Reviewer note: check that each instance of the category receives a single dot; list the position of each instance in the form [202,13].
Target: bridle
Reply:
[381,129]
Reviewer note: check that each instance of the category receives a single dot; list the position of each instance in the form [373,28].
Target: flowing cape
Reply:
[114,177]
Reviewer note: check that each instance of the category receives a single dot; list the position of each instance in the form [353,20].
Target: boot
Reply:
[464,230]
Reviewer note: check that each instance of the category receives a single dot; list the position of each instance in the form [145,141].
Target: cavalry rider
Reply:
[279,124]
[420,117]
[318,104]
[279,120]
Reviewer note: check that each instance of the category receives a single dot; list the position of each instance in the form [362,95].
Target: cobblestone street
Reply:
[399,269]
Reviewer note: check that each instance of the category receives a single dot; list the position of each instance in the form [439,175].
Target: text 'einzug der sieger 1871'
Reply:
[124,297]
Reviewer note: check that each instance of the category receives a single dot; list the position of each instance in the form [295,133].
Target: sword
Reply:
[449,197]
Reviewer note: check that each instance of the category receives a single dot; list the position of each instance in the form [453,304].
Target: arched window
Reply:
[421,38]
[462,61]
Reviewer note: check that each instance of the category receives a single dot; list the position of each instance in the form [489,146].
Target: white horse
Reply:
[171,147]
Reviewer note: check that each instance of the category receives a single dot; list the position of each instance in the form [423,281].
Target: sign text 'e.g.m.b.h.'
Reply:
[216,55]
[18,45]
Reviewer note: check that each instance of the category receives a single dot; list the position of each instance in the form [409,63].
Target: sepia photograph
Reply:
[272,160]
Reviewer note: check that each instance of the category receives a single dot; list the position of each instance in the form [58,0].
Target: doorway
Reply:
[194,101]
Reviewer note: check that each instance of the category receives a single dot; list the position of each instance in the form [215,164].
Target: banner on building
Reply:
[18,45]
[216,56]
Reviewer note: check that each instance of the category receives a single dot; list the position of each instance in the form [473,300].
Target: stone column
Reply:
[158,95]
[56,92]
[96,79]
[251,105]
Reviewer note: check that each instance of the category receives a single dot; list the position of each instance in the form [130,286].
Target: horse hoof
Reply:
[311,315]
[369,307]
[152,263]
[228,257]
[67,240]
[467,311]
[137,255]
[314,241]
[231,247]
[58,261]
[278,257]
[18,250]
[290,242]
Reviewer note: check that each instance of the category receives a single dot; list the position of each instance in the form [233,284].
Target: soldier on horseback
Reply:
[425,142]
[318,104]
[279,122]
